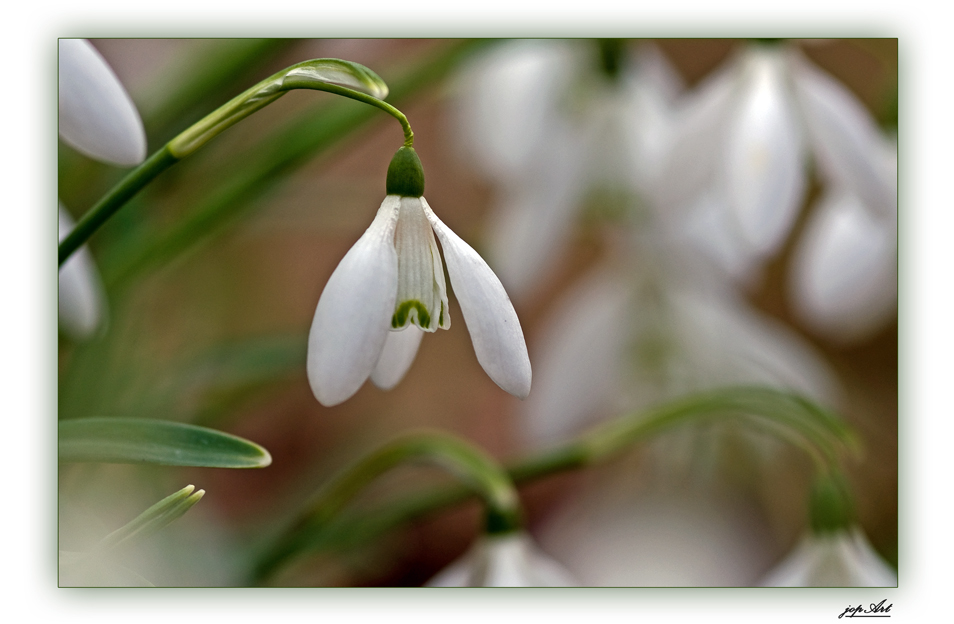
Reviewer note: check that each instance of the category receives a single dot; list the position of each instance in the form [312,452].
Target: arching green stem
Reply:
[336,76]
[478,472]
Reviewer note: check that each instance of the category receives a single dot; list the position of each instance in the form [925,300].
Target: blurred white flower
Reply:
[389,288]
[651,338]
[841,558]
[508,560]
[82,299]
[97,116]
[744,136]
[550,130]
[844,273]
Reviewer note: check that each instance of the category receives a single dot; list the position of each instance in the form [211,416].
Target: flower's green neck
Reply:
[405,174]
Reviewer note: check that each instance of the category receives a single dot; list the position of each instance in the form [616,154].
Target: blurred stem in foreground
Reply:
[819,433]
[480,474]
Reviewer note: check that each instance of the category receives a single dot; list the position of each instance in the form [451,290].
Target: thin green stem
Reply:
[820,434]
[480,474]
[307,75]
[115,199]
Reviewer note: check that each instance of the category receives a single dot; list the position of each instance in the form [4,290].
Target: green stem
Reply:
[227,115]
[115,199]
[479,473]
[794,419]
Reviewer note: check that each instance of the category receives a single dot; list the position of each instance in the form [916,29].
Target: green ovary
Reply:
[403,311]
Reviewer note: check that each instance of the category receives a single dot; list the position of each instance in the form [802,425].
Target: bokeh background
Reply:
[214,271]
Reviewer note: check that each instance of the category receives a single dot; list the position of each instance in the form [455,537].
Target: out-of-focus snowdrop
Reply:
[625,338]
[841,558]
[82,300]
[741,147]
[844,274]
[97,116]
[507,560]
[616,534]
[553,131]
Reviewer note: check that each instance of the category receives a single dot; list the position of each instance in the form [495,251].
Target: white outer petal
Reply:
[846,141]
[82,300]
[510,560]
[396,357]
[698,135]
[490,318]
[97,116]
[844,273]
[579,360]
[764,169]
[353,317]
[843,559]
[535,217]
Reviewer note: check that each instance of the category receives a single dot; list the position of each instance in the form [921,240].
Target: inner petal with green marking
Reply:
[421,291]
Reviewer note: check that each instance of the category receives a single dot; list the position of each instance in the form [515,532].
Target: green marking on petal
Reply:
[440,317]
[403,310]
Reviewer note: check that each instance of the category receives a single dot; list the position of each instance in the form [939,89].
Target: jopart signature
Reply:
[873,610]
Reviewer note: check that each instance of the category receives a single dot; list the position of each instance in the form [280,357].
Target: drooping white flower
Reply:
[743,139]
[551,131]
[389,288]
[508,560]
[842,558]
[97,116]
[844,273]
[82,299]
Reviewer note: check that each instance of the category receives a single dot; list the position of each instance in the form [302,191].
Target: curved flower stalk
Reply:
[82,298]
[746,134]
[504,560]
[97,116]
[389,289]
[552,133]
[841,558]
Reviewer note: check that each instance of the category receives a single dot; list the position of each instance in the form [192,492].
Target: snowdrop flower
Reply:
[504,560]
[82,300]
[389,289]
[842,558]
[97,116]
[744,137]
[844,273]
[552,132]
[652,338]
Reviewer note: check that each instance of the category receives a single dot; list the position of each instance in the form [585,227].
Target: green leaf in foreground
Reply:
[153,519]
[140,440]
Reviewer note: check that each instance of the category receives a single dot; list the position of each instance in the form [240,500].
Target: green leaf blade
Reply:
[140,440]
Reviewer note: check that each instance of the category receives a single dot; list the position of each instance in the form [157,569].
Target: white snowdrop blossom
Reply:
[842,558]
[508,560]
[742,143]
[82,299]
[844,274]
[552,131]
[97,116]
[389,289]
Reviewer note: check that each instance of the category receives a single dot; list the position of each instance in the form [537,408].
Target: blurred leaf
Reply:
[131,440]
[153,519]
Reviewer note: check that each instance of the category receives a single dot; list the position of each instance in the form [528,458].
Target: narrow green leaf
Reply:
[140,440]
[152,520]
